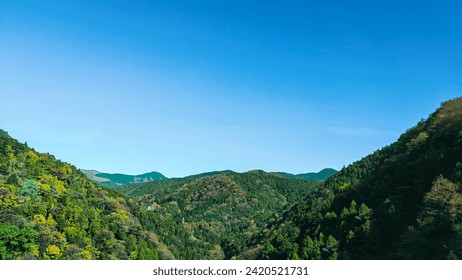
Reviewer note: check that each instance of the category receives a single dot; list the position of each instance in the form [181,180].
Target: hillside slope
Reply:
[139,189]
[50,210]
[403,201]
[222,212]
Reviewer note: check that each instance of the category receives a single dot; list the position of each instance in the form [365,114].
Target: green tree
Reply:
[15,241]
[30,189]
[52,252]
[311,249]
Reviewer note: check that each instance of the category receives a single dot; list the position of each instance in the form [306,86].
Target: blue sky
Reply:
[184,87]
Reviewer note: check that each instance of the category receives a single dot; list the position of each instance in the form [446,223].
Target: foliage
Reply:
[50,210]
[215,215]
[15,241]
[403,201]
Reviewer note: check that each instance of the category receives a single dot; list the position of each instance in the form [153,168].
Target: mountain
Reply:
[50,210]
[220,211]
[136,190]
[404,201]
[319,176]
[113,180]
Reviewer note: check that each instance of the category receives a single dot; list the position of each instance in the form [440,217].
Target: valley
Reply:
[403,201]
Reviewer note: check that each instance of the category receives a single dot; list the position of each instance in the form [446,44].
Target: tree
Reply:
[30,189]
[437,233]
[52,252]
[8,196]
[311,249]
[15,241]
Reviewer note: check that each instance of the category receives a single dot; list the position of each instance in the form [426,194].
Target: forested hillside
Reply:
[139,189]
[401,202]
[50,210]
[221,212]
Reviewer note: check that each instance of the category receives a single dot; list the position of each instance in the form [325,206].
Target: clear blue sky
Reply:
[183,87]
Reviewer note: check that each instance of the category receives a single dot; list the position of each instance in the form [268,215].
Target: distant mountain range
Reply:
[117,179]
[313,176]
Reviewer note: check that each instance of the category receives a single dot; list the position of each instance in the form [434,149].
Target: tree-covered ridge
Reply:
[50,210]
[113,180]
[322,175]
[403,201]
[139,189]
[222,212]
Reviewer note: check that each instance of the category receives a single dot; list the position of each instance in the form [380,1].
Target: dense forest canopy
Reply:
[50,210]
[221,211]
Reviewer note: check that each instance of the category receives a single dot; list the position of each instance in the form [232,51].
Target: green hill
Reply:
[137,190]
[114,180]
[319,176]
[221,211]
[50,210]
[401,202]
[313,176]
